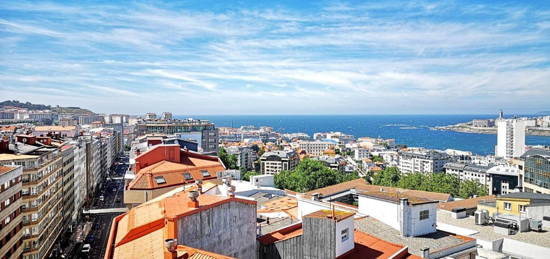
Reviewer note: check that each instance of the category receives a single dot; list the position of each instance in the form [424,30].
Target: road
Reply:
[112,189]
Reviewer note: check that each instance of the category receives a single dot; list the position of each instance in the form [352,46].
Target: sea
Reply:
[410,130]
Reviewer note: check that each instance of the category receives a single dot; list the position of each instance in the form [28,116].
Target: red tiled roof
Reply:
[341,187]
[141,231]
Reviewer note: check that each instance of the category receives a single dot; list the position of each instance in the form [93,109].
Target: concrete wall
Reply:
[387,212]
[343,246]
[319,238]
[518,248]
[228,229]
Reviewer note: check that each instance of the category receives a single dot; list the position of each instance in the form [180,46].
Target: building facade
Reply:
[11,224]
[246,156]
[425,161]
[274,162]
[316,148]
[203,132]
[536,171]
[510,138]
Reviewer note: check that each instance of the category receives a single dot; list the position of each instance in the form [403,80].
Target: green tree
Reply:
[390,176]
[229,160]
[377,159]
[469,188]
[247,175]
[309,175]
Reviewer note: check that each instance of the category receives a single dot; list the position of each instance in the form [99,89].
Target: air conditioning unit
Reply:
[481,217]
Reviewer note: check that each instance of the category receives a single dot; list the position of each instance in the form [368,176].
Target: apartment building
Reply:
[203,132]
[80,189]
[11,224]
[499,179]
[316,148]
[424,161]
[42,191]
[273,162]
[510,138]
[67,152]
[246,156]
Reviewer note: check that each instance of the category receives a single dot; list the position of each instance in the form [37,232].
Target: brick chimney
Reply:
[193,202]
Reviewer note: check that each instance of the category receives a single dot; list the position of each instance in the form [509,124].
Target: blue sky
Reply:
[278,57]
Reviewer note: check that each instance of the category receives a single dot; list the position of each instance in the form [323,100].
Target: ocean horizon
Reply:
[410,130]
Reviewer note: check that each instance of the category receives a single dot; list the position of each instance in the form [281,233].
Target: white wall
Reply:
[421,227]
[387,212]
[263,180]
[519,248]
[343,247]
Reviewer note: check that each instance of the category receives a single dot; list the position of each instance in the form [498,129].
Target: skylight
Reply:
[160,179]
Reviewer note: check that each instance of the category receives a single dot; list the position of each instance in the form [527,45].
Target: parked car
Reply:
[86,248]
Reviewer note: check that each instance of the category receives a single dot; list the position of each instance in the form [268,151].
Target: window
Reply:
[187,176]
[522,208]
[345,234]
[507,206]
[205,173]
[424,214]
[160,180]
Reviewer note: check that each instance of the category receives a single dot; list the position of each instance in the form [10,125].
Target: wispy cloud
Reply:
[313,57]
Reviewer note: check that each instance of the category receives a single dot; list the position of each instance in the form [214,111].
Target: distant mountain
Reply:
[31,106]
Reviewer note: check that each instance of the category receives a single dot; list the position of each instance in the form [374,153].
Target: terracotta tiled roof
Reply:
[395,196]
[54,128]
[466,203]
[279,204]
[434,196]
[336,215]
[341,187]
[367,246]
[282,234]
[140,233]
[172,173]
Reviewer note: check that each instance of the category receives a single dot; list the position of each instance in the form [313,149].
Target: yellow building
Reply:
[513,203]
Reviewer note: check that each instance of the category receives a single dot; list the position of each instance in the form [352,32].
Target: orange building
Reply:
[165,167]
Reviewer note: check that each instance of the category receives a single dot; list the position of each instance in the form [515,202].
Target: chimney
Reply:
[199,186]
[4,145]
[403,216]
[231,191]
[425,252]
[193,202]
[170,252]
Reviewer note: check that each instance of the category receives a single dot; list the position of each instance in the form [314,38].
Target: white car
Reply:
[86,248]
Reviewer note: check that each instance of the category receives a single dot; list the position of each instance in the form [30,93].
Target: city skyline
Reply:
[279,58]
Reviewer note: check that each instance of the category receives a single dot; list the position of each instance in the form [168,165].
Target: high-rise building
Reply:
[510,138]
[10,212]
[203,132]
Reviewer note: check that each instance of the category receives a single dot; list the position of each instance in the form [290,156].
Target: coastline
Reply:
[489,130]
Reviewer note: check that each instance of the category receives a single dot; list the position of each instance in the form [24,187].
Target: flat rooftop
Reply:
[488,234]
[435,241]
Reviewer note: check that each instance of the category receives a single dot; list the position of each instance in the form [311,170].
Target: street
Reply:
[111,189]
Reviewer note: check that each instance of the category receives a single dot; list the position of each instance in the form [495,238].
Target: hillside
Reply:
[31,106]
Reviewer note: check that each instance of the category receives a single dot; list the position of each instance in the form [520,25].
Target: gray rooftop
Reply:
[536,151]
[280,153]
[435,241]
[468,167]
[527,195]
[487,232]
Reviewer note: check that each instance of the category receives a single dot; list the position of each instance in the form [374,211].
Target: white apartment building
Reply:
[246,156]
[360,153]
[425,161]
[274,162]
[316,148]
[510,138]
[80,190]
